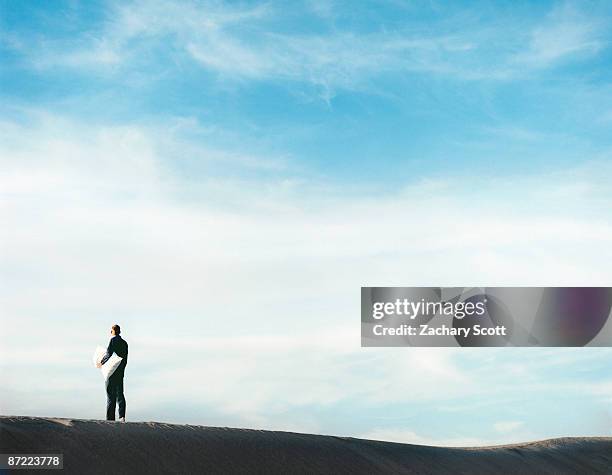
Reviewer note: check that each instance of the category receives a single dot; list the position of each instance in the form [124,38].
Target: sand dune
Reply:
[151,447]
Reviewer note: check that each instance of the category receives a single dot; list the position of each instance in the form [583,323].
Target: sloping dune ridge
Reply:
[150,447]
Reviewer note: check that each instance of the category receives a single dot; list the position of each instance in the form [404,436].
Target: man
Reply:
[114,385]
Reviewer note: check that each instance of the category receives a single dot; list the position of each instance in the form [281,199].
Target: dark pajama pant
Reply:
[114,395]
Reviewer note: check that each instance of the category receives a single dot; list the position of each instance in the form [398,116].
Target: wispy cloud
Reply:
[507,426]
[567,33]
[244,43]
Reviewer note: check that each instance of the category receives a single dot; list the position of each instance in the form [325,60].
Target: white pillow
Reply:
[111,364]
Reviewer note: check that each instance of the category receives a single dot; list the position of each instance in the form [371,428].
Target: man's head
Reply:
[115,330]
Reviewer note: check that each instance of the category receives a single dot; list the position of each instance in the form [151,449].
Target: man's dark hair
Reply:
[116,329]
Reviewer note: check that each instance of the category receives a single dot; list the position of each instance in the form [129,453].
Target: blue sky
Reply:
[221,178]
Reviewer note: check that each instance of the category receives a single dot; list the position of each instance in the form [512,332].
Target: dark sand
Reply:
[151,447]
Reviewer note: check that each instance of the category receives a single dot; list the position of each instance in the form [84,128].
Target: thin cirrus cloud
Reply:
[243,44]
[566,33]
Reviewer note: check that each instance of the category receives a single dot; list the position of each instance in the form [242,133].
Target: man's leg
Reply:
[121,397]
[111,399]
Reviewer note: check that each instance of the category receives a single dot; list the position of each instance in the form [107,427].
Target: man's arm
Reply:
[109,352]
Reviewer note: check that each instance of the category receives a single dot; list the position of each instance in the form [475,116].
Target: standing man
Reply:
[114,385]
